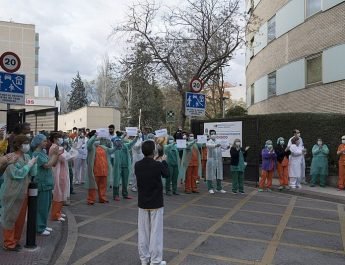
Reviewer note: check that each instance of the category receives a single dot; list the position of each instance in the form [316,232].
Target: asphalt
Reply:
[295,227]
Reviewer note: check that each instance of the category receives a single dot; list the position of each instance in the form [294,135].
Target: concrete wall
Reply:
[90,117]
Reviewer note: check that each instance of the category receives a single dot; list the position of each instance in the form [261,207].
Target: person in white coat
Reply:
[80,161]
[214,164]
[137,155]
[297,133]
[296,163]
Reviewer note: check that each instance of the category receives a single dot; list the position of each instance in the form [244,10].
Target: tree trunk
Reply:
[183,110]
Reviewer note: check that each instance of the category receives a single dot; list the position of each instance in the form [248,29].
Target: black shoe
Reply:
[18,246]
[176,193]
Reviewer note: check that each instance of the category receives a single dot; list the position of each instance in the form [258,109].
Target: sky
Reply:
[75,36]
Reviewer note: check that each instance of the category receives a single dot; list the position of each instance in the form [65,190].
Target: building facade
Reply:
[90,117]
[295,57]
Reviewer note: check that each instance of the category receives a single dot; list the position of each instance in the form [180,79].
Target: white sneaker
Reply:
[162,263]
[134,189]
[62,219]
[221,191]
[63,215]
[45,233]
[49,229]
[211,191]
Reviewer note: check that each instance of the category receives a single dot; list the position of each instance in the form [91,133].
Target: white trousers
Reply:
[150,235]
[294,182]
[79,170]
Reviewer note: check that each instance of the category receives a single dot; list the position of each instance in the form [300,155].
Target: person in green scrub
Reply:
[45,181]
[319,163]
[173,160]
[238,165]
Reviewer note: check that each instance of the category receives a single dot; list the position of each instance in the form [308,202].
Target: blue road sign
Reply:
[195,104]
[12,88]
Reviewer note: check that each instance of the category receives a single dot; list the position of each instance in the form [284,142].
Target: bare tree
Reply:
[106,83]
[64,90]
[196,40]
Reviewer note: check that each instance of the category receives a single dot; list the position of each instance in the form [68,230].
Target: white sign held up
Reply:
[102,133]
[132,131]
[182,144]
[202,139]
[161,133]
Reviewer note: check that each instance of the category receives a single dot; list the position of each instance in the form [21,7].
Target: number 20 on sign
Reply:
[196,85]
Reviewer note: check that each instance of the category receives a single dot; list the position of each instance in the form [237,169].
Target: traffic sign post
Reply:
[12,88]
[170,116]
[10,62]
[195,104]
[196,85]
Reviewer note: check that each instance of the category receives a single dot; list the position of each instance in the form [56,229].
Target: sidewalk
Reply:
[42,255]
[327,193]
[58,248]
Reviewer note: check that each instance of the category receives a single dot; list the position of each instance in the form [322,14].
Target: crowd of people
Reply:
[57,161]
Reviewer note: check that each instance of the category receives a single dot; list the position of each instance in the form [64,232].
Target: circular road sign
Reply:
[10,62]
[196,85]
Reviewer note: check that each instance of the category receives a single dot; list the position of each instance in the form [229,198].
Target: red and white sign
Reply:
[10,62]
[196,85]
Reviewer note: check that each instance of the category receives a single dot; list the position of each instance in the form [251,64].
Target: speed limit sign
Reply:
[196,85]
[10,62]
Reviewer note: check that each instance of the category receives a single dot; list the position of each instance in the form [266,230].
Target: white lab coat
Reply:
[214,164]
[80,161]
[296,165]
[137,155]
[303,160]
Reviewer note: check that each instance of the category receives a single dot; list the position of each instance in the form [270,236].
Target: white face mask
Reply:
[282,142]
[25,148]
[319,142]
[213,137]
[171,141]
[60,141]
[343,141]
[269,146]
[191,138]
[28,135]
[184,137]
[238,144]
[298,135]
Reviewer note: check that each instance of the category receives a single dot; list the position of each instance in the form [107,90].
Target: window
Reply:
[272,84]
[314,69]
[252,94]
[271,29]
[252,48]
[312,7]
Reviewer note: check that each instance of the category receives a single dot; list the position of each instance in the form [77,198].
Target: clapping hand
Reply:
[247,148]
[32,161]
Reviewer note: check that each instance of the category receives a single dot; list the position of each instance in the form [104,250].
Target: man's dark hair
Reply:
[75,128]
[295,131]
[148,148]
[111,126]
[212,132]
[92,133]
[118,133]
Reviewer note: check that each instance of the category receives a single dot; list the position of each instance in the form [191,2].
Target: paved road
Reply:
[220,229]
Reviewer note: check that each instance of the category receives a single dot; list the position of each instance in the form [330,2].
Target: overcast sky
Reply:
[74,36]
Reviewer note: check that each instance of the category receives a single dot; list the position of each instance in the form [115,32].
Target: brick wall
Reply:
[327,98]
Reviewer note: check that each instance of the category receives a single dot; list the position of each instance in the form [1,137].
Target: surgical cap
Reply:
[280,139]
[37,140]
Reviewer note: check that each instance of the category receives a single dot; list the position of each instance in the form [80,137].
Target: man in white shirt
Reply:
[297,133]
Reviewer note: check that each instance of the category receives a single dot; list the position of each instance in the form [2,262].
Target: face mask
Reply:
[184,137]
[282,142]
[269,146]
[97,143]
[299,135]
[28,135]
[60,141]
[238,144]
[343,141]
[65,140]
[213,137]
[82,135]
[171,141]
[25,148]
[319,142]
[191,138]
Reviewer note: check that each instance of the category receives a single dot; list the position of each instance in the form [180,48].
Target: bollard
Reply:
[32,215]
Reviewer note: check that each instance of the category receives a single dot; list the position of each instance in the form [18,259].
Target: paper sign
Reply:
[202,139]
[102,133]
[181,143]
[132,131]
[161,133]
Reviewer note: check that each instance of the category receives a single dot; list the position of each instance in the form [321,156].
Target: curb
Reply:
[72,237]
[305,193]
